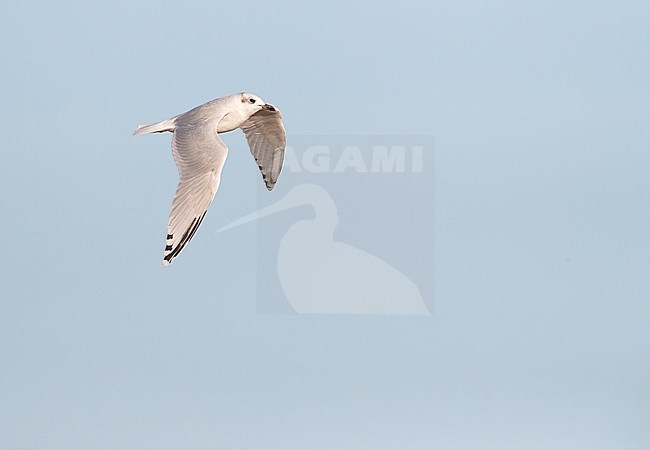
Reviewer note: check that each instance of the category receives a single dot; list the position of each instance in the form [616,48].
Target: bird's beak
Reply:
[269,107]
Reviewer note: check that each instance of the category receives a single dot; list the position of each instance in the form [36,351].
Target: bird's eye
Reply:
[251,100]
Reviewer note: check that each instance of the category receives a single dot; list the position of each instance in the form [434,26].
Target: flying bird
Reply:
[199,154]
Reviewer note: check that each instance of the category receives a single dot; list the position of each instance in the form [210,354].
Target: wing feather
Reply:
[199,155]
[267,139]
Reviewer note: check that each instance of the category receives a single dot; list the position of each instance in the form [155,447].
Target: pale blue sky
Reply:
[539,338]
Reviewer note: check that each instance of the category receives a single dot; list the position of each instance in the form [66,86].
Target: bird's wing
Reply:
[266,138]
[199,154]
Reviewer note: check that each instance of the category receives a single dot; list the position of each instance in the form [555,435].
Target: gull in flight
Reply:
[200,154]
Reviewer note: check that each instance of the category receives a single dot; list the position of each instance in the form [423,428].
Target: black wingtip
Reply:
[187,237]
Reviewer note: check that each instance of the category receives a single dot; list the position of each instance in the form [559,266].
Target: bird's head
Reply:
[254,103]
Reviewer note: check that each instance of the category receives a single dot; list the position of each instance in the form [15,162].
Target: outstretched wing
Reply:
[199,154]
[266,138]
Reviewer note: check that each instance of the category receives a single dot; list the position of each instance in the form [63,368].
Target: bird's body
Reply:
[200,154]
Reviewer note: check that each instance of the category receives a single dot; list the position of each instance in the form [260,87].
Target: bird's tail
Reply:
[160,127]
